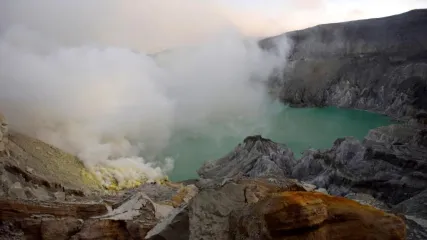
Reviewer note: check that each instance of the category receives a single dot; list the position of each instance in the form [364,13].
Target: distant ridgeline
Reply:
[376,64]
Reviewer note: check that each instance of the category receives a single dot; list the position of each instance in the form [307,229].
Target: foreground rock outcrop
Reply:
[270,208]
[387,170]
[126,215]
[375,64]
[132,219]
[306,215]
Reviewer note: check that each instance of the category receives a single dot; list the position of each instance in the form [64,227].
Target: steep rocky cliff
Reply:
[376,64]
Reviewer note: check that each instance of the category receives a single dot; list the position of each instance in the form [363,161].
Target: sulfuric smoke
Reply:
[81,76]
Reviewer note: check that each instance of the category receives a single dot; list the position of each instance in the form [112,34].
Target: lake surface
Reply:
[298,128]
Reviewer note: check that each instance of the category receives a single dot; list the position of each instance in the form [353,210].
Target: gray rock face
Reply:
[212,208]
[174,226]
[415,206]
[376,64]
[390,164]
[415,231]
[415,227]
[367,199]
[390,171]
[415,211]
[256,157]
[209,211]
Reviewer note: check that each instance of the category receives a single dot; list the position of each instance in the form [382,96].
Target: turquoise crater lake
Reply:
[298,128]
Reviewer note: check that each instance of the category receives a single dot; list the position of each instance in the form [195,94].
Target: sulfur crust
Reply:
[67,170]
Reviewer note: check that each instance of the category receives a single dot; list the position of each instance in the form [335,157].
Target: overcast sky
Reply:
[266,17]
[153,25]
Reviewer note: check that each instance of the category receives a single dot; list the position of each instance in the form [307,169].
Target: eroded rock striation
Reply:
[308,215]
[129,214]
[392,173]
[255,157]
[23,219]
[375,64]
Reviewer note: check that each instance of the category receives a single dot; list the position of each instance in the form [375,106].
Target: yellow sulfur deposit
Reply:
[119,178]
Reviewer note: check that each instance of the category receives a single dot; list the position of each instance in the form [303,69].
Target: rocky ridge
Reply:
[387,170]
[378,65]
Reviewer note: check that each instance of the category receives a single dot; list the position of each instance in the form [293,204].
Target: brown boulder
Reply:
[60,229]
[316,216]
[105,229]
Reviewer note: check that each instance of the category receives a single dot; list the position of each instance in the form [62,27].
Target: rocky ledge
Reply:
[252,193]
[388,169]
[375,64]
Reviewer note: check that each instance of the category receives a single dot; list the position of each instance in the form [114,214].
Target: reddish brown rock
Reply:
[259,188]
[30,227]
[313,216]
[60,229]
[105,229]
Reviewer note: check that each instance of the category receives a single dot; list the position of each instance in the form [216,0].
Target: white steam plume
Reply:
[76,74]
